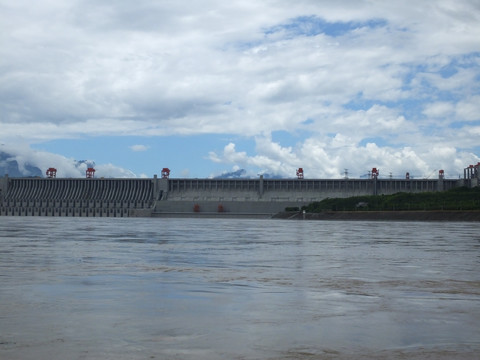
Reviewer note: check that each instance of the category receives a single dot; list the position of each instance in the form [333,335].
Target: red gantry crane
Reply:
[165,173]
[51,173]
[300,173]
[90,173]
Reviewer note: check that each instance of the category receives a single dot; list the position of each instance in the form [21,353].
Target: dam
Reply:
[164,196]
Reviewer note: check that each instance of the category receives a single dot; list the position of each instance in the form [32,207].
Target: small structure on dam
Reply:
[165,196]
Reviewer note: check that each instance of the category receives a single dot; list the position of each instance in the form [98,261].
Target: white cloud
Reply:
[318,160]
[89,68]
[469,109]
[66,167]
[138,148]
[439,109]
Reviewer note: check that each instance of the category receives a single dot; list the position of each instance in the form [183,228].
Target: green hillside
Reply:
[456,199]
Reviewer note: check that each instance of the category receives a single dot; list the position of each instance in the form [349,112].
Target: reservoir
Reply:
[185,288]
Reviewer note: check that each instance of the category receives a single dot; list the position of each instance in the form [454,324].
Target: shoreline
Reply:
[440,215]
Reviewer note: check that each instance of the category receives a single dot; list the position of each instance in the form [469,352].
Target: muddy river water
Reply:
[93,288]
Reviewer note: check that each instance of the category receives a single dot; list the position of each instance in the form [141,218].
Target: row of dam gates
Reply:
[155,197]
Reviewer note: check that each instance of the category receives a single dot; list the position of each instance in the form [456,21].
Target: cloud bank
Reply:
[21,160]
[357,84]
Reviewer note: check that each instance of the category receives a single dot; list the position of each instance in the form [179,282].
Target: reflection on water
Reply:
[238,289]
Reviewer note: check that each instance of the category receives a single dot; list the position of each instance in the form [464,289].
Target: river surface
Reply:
[125,288]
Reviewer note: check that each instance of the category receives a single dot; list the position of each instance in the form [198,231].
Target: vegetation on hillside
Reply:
[462,198]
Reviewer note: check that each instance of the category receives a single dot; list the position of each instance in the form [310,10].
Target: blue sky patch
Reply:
[313,25]
[174,152]
[360,103]
[287,138]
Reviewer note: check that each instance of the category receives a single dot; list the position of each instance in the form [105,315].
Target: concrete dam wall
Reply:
[75,197]
[163,197]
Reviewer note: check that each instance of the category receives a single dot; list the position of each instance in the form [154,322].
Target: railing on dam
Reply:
[213,184]
[382,185]
[261,186]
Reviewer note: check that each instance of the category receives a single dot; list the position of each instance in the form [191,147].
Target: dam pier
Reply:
[164,196]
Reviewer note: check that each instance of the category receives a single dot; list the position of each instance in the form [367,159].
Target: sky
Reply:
[209,87]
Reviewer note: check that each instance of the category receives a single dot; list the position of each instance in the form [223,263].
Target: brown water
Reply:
[92,288]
